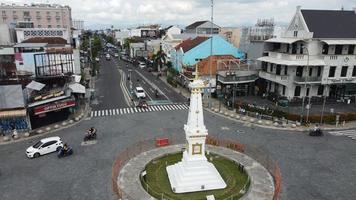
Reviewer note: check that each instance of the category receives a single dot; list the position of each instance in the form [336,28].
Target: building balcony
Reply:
[281,79]
[48,17]
[15,17]
[307,80]
[237,79]
[58,17]
[27,17]
[340,58]
[339,80]
[292,59]
[38,17]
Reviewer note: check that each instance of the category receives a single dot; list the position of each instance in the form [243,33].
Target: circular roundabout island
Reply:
[156,181]
[145,177]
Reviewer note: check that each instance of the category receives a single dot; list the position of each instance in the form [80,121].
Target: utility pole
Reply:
[211,51]
[305,87]
[322,111]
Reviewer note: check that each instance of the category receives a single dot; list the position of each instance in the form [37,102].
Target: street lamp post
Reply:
[322,111]
[305,88]
[211,51]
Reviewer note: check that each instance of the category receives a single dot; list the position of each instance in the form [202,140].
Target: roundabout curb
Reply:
[261,187]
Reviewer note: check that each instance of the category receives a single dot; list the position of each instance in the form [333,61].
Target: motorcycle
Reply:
[142,104]
[316,132]
[90,136]
[63,153]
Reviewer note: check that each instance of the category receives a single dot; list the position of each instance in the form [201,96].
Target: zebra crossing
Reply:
[348,133]
[131,110]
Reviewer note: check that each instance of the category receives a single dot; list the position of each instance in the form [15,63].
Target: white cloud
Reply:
[183,12]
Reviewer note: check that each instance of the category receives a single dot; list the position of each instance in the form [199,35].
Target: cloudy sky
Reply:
[128,13]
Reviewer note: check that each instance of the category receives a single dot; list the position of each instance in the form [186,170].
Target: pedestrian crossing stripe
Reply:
[121,111]
[348,133]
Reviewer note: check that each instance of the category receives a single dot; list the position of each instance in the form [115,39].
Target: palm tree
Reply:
[160,59]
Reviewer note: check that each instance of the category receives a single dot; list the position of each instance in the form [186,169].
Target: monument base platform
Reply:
[194,176]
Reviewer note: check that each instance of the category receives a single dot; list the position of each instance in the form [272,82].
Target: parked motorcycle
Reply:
[63,153]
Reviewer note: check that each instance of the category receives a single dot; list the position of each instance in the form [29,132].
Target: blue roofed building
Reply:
[192,50]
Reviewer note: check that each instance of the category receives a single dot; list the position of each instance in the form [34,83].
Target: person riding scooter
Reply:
[156,93]
[91,134]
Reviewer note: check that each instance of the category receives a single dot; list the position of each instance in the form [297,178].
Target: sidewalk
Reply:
[252,121]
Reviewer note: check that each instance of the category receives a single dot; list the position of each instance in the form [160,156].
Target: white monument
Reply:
[194,173]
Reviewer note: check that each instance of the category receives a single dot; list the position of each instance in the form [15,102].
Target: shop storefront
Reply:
[13,119]
[49,113]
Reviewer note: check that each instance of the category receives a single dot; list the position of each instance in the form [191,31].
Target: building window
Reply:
[278,70]
[49,26]
[58,26]
[354,71]
[285,69]
[299,71]
[351,49]
[297,91]
[320,90]
[343,71]
[310,71]
[284,90]
[14,12]
[319,71]
[39,26]
[308,91]
[264,66]
[332,71]
[325,49]
[338,49]
[295,33]
[271,68]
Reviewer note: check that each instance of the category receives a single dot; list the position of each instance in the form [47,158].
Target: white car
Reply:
[142,65]
[44,146]
[116,55]
[108,57]
[140,93]
[97,59]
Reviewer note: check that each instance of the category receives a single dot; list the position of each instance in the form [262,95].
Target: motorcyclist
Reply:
[90,133]
[65,148]
[156,93]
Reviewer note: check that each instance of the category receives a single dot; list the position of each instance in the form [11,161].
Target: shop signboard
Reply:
[54,106]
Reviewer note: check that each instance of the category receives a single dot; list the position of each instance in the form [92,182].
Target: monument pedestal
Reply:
[194,175]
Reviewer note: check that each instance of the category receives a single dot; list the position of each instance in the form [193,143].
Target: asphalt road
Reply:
[149,82]
[108,92]
[312,168]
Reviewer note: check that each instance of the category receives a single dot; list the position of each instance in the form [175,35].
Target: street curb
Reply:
[271,126]
[85,113]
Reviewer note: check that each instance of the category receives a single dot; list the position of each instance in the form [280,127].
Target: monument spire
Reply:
[194,172]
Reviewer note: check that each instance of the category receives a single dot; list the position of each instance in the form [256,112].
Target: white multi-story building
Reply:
[314,57]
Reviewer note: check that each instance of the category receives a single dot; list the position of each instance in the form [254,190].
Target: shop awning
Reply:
[11,97]
[13,113]
[334,42]
[283,40]
[77,88]
[35,86]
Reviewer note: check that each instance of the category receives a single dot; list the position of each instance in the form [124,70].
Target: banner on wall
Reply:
[54,106]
